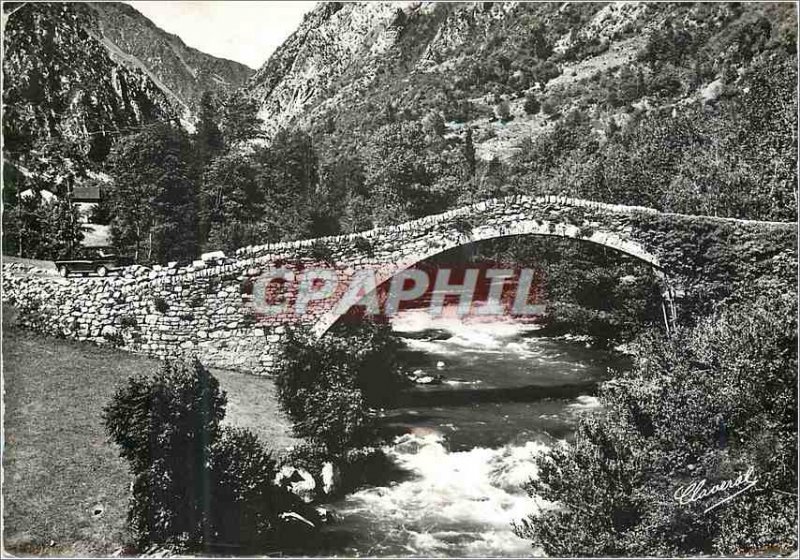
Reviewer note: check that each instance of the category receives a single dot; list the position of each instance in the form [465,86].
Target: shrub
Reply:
[160,304]
[503,111]
[327,386]
[363,245]
[321,252]
[336,418]
[245,503]
[196,486]
[463,225]
[718,399]
[128,322]
[115,338]
[585,230]
[153,417]
[532,105]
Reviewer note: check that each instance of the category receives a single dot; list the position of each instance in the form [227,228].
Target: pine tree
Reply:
[240,121]
[208,139]
[469,153]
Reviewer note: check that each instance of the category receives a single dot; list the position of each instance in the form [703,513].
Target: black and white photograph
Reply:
[399,279]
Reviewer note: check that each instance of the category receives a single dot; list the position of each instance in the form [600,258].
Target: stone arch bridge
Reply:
[209,311]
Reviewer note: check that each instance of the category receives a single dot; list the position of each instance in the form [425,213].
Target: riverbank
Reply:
[468,444]
[65,488]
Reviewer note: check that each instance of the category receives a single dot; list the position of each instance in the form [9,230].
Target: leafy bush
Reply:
[321,252]
[128,322]
[172,413]
[160,304]
[327,386]
[709,404]
[363,245]
[335,417]
[463,225]
[585,230]
[245,503]
[115,338]
[196,485]
[503,111]
[532,105]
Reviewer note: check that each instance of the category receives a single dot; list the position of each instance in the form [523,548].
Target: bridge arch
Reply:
[515,228]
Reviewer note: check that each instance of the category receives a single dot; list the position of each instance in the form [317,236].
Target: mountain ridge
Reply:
[85,72]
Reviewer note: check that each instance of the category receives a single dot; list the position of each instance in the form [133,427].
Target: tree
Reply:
[469,153]
[154,201]
[56,165]
[240,120]
[42,229]
[343,194]
[232,199]
[288,173]
[64,231]
[532,105]
[196,485]
[711,403]
[396,172]
[503,110]
[208,141]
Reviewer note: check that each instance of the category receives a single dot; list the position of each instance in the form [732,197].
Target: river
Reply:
[468,444]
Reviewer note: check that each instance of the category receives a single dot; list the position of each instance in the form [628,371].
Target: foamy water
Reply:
[455,503]
[470,444]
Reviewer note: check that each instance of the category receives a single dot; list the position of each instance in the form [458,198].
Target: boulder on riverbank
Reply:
[420,377]
[297,481]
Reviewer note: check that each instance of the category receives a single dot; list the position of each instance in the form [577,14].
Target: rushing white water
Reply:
[455,502]
[469,445]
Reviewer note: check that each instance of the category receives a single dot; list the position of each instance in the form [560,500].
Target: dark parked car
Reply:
[99,260]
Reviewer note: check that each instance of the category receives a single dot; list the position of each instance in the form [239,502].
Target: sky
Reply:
[244,31]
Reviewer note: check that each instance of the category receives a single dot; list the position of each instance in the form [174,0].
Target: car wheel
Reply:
[62,270]
[102,271]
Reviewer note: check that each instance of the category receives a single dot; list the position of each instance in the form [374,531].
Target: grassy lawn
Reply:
[65,488]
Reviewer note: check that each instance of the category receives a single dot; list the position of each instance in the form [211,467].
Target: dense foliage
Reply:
[197,485]
[154,202]
[328,386]
[39,228]
[707,404]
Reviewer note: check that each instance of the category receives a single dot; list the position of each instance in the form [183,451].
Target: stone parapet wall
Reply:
[208,311]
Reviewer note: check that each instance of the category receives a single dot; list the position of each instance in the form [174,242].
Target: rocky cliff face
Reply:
[344,54]
[84,72]
[336,51]
[360,65]
[183,71]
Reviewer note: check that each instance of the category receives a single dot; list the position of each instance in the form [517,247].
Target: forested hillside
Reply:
[377,113]
[684,107]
